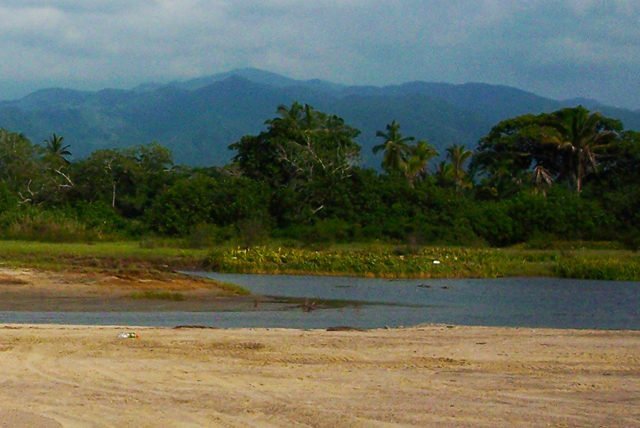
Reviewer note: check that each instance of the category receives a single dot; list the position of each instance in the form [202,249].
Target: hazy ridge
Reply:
[199,118]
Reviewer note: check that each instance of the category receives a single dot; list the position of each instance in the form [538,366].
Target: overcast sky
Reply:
[556,48]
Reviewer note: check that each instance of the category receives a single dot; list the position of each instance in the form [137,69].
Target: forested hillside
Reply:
[198,119]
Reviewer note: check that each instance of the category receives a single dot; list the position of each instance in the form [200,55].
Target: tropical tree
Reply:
[419,158]
[444,174]
[127,178]
[541,179]
[304,155]
[20,168]
[579,136]
[564,146]
[55,150]
[300,144]
[507,154]
[458,156]
[395,147]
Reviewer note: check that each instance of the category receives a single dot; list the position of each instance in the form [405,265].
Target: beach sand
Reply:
[422,376]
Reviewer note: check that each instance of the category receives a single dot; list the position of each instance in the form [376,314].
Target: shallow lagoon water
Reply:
[374,303]
[516,302]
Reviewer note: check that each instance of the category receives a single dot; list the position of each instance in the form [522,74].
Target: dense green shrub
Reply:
[47,226]
[201,199]
[205,235]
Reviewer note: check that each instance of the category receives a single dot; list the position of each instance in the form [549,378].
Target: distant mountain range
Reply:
[197,119]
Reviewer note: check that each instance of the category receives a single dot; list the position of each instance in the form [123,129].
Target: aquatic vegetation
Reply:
[431,262]
[605,268]
[428,262]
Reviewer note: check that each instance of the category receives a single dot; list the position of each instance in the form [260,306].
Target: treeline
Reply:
[571,174]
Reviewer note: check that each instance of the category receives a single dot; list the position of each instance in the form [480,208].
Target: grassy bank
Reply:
[372,260]
[128,257]
[430,262]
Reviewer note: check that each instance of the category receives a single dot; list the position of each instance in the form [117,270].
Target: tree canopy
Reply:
[570,174]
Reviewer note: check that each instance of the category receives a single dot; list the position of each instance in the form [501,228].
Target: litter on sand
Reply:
[128,335]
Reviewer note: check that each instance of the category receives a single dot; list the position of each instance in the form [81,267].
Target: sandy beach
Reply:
[422,376]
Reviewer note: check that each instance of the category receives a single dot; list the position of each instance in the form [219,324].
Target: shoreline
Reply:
[336,329]
[436,374]
[34,296]
[38,290]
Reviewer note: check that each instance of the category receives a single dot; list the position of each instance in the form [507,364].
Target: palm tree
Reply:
[579,136]
[542,179]
[418,160]
[395,149]
[458,156]
[55,150]
[443,174]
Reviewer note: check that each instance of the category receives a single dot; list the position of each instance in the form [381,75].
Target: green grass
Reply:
[232,289]
[119,257]
[158,295]
[606,267]
[161,257]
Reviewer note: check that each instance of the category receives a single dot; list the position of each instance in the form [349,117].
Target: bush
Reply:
[251,232]
[205,200]
[49,227]
[206,235]
[631,240]
[540,241]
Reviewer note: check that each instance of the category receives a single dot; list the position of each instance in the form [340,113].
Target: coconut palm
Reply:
[541,179]
[579,136]
[458,156]
[395,147]
[419,158]
[444,174]
[55,149]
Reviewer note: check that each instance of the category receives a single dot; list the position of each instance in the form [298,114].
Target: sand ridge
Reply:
[51,291]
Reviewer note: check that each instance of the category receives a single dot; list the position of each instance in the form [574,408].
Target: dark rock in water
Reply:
[424,286]
[444,287]
[179,327]
[308,306]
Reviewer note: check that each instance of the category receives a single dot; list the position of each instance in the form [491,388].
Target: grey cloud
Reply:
[559,48]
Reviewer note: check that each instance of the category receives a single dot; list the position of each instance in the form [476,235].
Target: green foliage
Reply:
[47,226]
[252,231]
[127,179]
[382,261]
[304,154]
[395,147]
[202,199]
[206,235]
[55,151]
[299,180]
[563,146]
[8,200]
[631,240]
[601,268]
